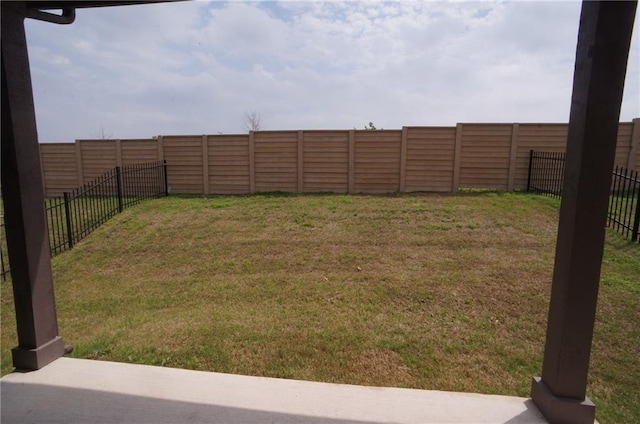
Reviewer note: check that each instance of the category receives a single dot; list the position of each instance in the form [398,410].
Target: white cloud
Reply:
[196,67]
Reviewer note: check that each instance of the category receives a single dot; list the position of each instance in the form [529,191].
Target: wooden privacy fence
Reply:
[443,159]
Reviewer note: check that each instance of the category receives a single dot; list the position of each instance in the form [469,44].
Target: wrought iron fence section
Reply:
[90,206]
[624,210]
[546,173]
[140,182]
[77,213]
[57,224]
[546,176]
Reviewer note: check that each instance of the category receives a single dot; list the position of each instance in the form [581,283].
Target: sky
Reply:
[200,67]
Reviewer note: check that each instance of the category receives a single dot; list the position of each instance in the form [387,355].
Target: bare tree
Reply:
[101,135]
[252,121]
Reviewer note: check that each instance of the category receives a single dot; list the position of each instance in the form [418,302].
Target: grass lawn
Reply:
[424,291]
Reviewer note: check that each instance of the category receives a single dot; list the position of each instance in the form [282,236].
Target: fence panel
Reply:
[486,150]
[430,156]
[228,164]
[59,167]
[276,161]
[377,161]
[326,161]
[97,157]
[184,161]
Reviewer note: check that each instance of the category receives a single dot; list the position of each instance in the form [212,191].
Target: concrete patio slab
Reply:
[83,391]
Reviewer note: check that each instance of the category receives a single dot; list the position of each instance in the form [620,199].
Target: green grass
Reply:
[425,291]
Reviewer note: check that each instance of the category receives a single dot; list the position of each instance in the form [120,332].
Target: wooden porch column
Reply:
[23,195]
[601,59]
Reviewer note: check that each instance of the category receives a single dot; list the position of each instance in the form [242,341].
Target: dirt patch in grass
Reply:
[380,367]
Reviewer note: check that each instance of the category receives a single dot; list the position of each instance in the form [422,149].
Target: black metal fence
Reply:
[546,173]
[73,216]
[546,176]
[624,207]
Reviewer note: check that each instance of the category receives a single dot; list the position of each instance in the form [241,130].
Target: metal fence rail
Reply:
[76,214]
[546,176]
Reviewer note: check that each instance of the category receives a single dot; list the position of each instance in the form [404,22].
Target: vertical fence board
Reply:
[205,165]
[300,176]
[403,159]
[352,161]
[457,158]
[513,158]
[252,162]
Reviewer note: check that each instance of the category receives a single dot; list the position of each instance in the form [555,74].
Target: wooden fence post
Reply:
[632,160]
[511,183]
[79,172]
[205,164]
[456,158]
[252,164]
[300,162]
[403,159]
[352,156]
[44,180]
[160,142]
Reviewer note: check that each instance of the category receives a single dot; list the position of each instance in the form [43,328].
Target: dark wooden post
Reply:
[23,194]
[601,60]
